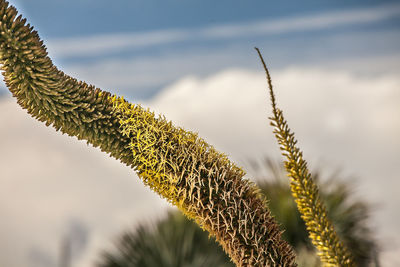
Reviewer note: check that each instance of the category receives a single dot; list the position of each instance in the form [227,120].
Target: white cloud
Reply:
[141,76]
[49,179]
[100,44]
[92,45]
[236,101]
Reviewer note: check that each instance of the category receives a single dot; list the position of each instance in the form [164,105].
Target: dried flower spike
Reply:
[305,192]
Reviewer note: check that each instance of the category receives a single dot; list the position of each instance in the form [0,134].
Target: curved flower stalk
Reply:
[177,164]
[305,192]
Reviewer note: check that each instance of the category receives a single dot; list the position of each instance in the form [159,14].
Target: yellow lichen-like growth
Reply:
[305,192]
[175,163]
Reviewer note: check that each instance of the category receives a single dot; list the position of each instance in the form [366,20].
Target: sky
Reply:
[335,69]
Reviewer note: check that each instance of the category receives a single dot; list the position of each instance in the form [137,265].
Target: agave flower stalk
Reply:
[305,192]
[175,163]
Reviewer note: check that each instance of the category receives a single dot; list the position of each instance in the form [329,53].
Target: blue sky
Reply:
[160,41]
[76,18]
[335,66]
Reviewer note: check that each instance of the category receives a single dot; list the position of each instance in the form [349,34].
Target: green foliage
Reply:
[305,192]
[176,241]
[348,214]
[172,242]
